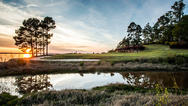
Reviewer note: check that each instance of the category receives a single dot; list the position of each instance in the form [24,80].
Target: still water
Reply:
[6,57]
[18,85]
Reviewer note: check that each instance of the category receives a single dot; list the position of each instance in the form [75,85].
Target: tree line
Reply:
[170,28]
[34,35]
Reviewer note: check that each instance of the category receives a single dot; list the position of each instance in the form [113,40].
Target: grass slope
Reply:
[151,52]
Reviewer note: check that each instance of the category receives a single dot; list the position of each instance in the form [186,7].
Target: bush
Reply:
[130,48]
[8,100]
[180,60]
[16,62]
[81,63]
[166,42]
[177,45]
[99,63]
[67,97]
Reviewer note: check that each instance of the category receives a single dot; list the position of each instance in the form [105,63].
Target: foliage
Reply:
[81,63]
[164,30]
[32,83]
[161,96]
[115,94]
[15,63]
[8,100]
[33,34]
[134,34]
[147,33]
[133,40]
[180,31]
[178,9]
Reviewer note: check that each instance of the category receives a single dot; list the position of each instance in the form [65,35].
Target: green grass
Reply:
[8,100]
[151,52]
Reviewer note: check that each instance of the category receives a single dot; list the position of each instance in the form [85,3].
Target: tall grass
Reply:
[105,96]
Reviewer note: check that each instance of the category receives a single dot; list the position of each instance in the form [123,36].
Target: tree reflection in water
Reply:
[30,84]
[150,79]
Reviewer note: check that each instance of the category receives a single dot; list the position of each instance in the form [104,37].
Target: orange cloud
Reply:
[7,44]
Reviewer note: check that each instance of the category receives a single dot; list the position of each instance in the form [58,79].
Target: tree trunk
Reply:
[32,47]
[47,47]
[40,48]
[43,45]
[36,47]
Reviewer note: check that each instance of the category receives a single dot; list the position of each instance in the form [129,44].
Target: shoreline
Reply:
[28,67]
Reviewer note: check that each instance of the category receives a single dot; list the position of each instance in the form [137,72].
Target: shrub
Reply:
[81,63]
[8,100]
[16,62]
[166,42]
[67,97]
[161,96]
[130,48]
[180,60]
[182,45]
[99,63]
[112,63]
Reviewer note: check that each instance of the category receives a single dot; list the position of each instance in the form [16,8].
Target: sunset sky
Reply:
[82,25]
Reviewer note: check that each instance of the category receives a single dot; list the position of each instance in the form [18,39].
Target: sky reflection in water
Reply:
[19,85]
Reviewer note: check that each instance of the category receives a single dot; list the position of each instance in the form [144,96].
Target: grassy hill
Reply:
[153,53]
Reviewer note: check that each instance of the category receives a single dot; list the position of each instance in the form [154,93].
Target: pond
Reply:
[63,60]
[19,85]
[6,57]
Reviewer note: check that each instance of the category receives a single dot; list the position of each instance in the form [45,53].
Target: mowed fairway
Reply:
[151,51]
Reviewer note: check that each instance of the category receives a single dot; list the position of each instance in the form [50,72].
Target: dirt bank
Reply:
[24,66]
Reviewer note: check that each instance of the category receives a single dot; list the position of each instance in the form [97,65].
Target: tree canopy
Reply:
[34,35]
[170,28]
[181,30]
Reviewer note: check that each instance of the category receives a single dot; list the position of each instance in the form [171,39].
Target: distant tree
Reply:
[23,37]
[124,43]
[47,24]
[20,39]
[163,26]
[178,9]
[168,34]
[180,32]
[131,30]
[156,32]
[137,38]
[33,34]
[134,34]
[147,32]
[31,26]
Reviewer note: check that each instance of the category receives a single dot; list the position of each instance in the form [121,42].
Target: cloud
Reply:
[6,41]
[82,25]
[12,18]
[66,33]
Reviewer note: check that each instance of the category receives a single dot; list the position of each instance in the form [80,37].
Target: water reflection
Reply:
[32,83]
[165,79]
[27,84]
[27,55]
[6,57]
[137,79]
